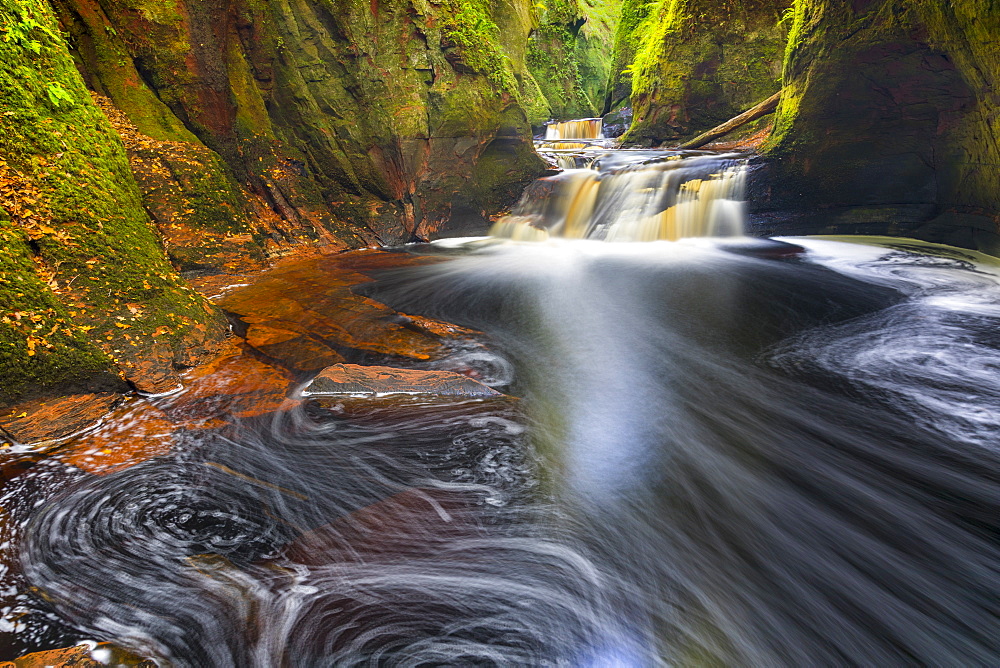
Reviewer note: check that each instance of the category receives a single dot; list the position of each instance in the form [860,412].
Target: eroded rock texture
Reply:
[340,122]
[888,123]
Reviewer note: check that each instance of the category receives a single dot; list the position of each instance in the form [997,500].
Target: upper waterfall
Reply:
[585,128]
[672,198]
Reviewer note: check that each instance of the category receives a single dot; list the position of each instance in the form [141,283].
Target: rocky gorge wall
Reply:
[90,302]
[689,65]
[569,56]
[213,136]
[365,122]
[888,116]
[888,123]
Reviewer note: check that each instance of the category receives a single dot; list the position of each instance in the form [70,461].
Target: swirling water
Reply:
[725,453]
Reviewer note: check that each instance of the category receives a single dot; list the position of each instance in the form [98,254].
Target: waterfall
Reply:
[584,128]
[671,199]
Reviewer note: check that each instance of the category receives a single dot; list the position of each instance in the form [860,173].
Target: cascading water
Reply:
[664,198]
[585,128]
[725,451]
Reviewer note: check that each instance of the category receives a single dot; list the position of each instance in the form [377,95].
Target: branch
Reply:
[762,109]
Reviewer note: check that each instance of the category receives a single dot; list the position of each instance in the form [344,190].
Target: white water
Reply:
[586,128]
[718,458]
[668,198]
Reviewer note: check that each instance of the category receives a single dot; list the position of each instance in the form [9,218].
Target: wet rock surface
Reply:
[81,656]
[290,323]
[43,422]
[374,380]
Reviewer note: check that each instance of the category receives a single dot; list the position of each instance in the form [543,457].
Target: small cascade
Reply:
[566,161]
[671,199]
[584,128]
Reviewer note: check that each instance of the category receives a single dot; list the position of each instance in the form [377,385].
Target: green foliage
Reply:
[21,26]
[569,55]
[57,94]
[663,20]
[473,30]
[627,37]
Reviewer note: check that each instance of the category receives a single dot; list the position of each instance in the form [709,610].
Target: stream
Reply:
[707,450]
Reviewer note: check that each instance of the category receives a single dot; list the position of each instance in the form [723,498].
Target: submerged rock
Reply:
[376,380]
[46,421]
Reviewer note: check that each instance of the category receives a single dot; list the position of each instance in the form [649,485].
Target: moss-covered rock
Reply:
[355,120]
[86,291]
[699,63]
[569,55]
[627,38]
[888,122]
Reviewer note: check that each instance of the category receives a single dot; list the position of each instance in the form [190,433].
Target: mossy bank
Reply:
[695,63]
[88,296]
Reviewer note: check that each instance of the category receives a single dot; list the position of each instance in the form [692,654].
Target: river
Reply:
[708,451]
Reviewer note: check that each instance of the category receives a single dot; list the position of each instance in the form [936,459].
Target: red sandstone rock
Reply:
[357,379]
[81,656]
[235,384]
[293,348]
[53,419]
[313,299]
[414,522]
[132,434]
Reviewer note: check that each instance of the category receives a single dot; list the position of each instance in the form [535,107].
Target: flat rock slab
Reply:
[45,421]
[354,379]
[81,656]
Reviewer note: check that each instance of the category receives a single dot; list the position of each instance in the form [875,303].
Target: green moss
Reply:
[335,114]
[473,30]
[536,105]
[627,38]
[569,55]
[74,197]
[699,63]
[664,20]
[39,344]
[554,63]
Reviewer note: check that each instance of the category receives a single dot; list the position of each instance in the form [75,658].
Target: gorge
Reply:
[404,333]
